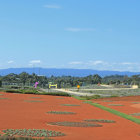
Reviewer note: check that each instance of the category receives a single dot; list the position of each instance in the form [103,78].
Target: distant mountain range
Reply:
[64,72]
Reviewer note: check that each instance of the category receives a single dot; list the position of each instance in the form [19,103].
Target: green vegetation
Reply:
[0,83]
[136,102]
[107,101]
[91,97]
[100,120]
[25,80]
[123,115]
[55,94]
[59,98]
[13,91]
[24,83]
[75,124]
[136,114]
[31,101]
[20,138]
[115,105]
[3,98]
[69,105]
[61,112]
[37,92]
[32,133]
[87,97]
[115,93]
[35,98]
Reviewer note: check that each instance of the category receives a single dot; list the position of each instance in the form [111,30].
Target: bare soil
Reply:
[15,113]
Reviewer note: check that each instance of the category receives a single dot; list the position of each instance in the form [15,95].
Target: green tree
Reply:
[0,83]
[24,77]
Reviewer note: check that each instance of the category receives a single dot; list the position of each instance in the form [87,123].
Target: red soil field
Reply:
[130,104]
[17,113]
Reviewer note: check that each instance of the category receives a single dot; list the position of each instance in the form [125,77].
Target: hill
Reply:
[64,72]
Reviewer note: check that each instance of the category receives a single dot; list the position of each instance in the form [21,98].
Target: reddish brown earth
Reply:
[15,113]
[131,104]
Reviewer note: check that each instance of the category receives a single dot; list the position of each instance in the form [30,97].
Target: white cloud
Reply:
[128,63]
[75,62]
[35,62]
[103,65]
[97,62]
[79,29]
[10,62]
[52,6]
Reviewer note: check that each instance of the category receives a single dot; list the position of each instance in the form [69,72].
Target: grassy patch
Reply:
[75,124]
[32,133]
[100,120]
[1,94]
[61,112]
[87,97]
[123,115]
[92,97]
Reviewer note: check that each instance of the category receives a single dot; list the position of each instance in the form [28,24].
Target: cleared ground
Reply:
[20,111]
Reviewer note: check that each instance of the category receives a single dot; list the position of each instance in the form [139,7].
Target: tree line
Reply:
[26,79]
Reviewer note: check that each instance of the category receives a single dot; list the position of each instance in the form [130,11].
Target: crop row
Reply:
[75,124]
[100,120]
[69,105]
[32,133]
[61,112]
[30,101]
[3,98]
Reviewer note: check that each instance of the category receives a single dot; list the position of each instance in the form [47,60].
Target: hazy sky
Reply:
[91,34]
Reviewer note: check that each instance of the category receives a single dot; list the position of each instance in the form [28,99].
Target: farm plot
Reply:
[129,105]
[88,122]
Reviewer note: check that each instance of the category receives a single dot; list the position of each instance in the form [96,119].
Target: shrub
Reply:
[34,91]
[55,94]
[30,92]
[14,91]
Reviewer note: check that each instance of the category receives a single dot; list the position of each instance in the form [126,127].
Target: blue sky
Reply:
[89,34]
